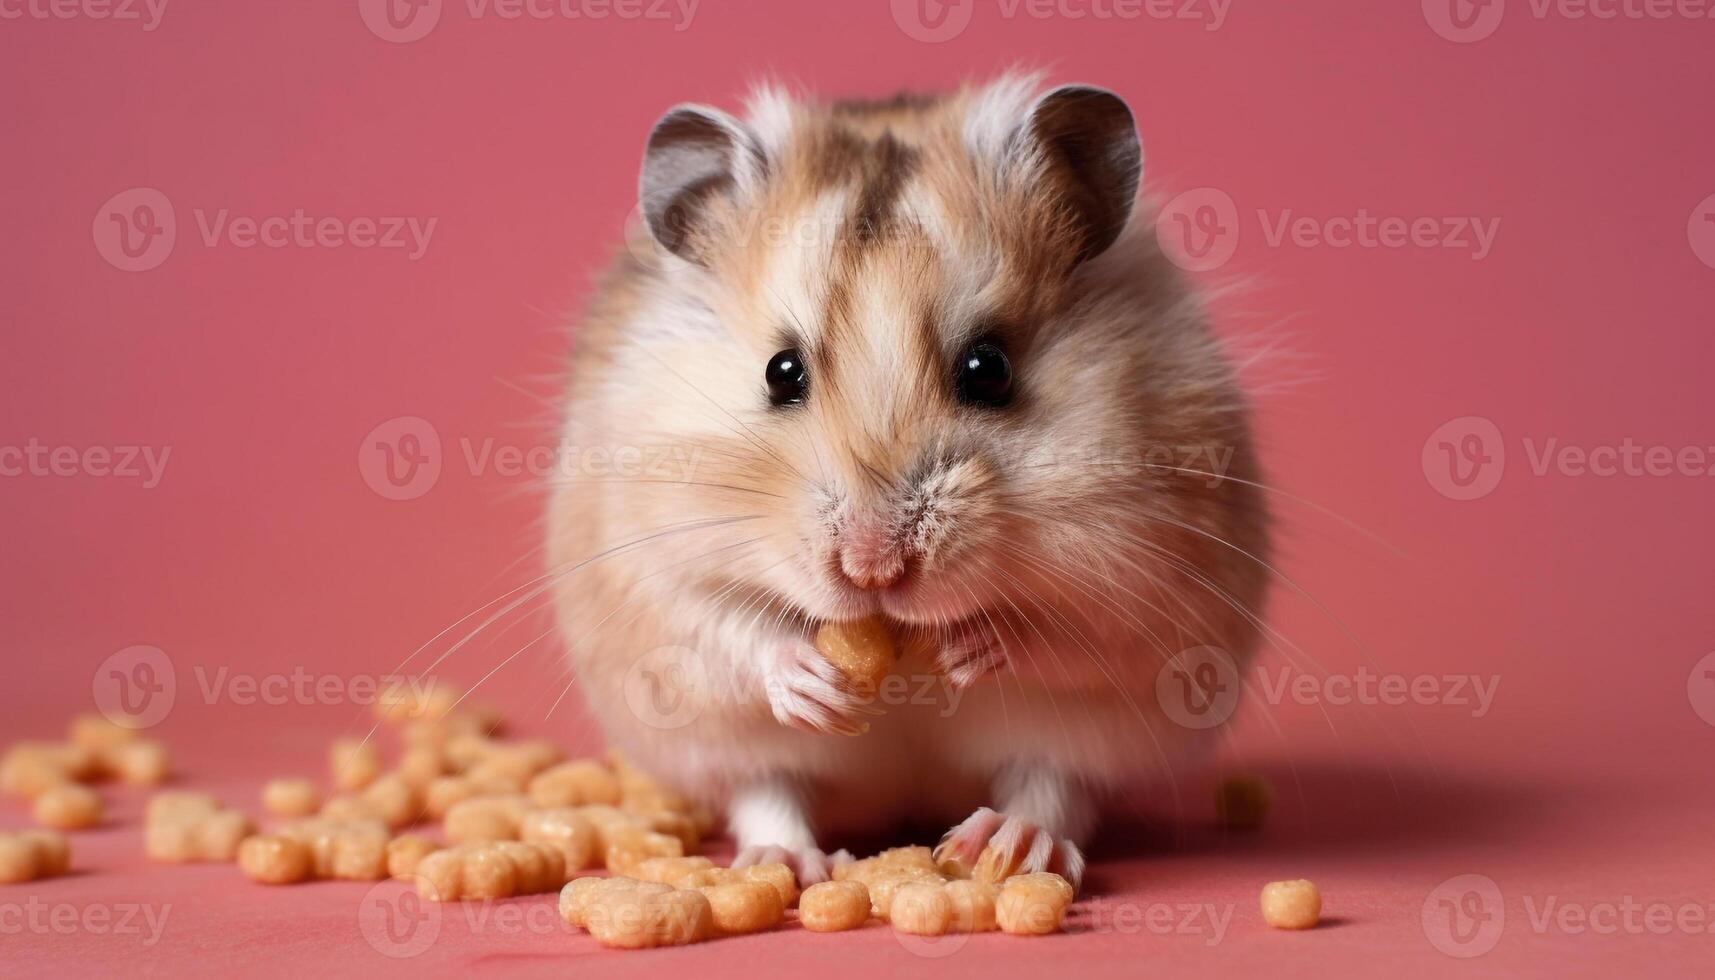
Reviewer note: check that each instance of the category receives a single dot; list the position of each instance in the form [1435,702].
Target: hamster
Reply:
[920,358]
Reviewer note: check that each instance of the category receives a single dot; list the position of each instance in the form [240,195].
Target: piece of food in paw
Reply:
[489,870]
[1033,904]
[486,818]
[290,798]
[863,650]
[566,830]
[68,806]
[1292,904]
[404,853]
[581,782]
[834,906]
[28,855]
[637,919]
[1243,802]
[354,763]
[739,908]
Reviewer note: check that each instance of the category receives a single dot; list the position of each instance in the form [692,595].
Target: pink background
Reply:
[264,550]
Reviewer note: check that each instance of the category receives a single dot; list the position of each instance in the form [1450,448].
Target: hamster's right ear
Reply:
[696,157]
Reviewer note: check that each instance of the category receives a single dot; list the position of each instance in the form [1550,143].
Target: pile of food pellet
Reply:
[519,818]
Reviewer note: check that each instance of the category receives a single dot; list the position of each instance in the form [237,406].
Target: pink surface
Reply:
[1579,589]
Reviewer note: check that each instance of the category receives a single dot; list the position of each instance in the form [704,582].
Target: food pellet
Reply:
[778,875]
[69,806]
[638,919]
[922,909]
[1243,802]
[27,855]
[142,762]
[863,650]
[354,762]
[565,829]
[485,818]
[576,897]
[628,845]
[290,798]
[32,768]
[489,870]
[1032,905]
[670,870]
[96,733]
[973,905]
[834,906]
[1291,904]
[353,850]
[275,860]
[739,908]
[582,782]
[405,853]
[186,827]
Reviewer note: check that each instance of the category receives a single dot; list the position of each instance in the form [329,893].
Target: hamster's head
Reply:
[914,346]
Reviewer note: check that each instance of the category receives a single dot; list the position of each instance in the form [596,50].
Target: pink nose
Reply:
[870,573]
[869,560]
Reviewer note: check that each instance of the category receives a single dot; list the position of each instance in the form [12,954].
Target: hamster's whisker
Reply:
[1112,678]
[1295,498]
[542,583]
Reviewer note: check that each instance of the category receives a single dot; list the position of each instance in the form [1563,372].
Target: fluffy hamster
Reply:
[916,357]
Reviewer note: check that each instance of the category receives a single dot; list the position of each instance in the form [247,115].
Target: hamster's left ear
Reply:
[1084,142]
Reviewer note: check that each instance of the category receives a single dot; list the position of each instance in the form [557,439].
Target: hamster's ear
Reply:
[695,156]
[1083,141]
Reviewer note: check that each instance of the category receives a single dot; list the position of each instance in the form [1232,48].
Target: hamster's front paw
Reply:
[807,692]
[969,652]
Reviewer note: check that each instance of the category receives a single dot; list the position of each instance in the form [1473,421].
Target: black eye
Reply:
[985,375]
[787,378]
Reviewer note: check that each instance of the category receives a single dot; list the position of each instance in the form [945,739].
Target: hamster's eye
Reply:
[984,375]
[787,378]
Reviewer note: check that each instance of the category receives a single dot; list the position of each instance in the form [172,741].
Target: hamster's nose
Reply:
[870,574]
[869,561]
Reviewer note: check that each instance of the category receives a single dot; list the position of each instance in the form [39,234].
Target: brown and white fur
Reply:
[1051,555]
